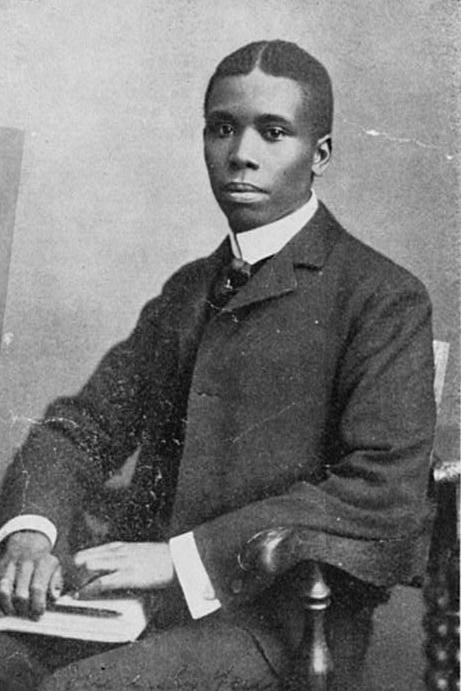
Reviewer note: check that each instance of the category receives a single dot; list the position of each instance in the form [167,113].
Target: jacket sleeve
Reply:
[82,440]
[369,514]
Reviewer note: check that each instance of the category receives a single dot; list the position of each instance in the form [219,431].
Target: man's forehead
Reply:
[257,92]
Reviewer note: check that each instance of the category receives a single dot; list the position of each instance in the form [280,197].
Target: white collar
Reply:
[264,241]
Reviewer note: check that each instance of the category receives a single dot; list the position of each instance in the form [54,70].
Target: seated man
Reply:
[284,380]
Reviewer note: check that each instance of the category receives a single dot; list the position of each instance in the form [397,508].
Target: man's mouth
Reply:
[243,192]
[241,187]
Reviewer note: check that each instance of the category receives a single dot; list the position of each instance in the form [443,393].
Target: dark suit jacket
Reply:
[307,400]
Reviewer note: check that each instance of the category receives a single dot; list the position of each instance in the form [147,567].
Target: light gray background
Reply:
[11,145]
[114,194]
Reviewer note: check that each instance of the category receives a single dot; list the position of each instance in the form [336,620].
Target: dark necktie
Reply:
[230,280]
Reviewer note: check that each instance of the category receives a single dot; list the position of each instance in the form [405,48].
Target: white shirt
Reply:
[259,243]
[251,246]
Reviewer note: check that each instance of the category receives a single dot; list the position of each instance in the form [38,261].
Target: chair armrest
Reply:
[274,551]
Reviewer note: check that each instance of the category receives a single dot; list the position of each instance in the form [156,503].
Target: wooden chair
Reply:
[441,594]
[441,589]
[273,551]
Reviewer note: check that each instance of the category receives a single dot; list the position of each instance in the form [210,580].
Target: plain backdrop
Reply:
[113,191]
[102,100]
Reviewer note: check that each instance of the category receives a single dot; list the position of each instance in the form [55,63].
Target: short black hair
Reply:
[284,59]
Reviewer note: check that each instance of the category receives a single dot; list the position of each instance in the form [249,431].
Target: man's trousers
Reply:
[209,654]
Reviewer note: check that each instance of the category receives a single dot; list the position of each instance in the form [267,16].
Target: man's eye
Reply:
[225,130]
[221,129]
[274,134]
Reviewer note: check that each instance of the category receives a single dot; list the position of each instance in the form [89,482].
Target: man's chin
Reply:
[244,218]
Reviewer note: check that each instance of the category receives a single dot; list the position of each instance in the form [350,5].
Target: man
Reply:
[298,393]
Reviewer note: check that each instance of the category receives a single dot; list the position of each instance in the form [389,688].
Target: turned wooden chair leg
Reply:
[313,666]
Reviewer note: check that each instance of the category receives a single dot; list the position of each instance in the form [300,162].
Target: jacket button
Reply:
[237,586]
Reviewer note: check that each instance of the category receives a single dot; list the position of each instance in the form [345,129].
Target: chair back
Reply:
[441,352]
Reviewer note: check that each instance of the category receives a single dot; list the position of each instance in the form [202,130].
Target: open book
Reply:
[114,620]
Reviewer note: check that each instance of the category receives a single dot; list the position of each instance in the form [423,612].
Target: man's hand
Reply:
[29,573]
[126,565]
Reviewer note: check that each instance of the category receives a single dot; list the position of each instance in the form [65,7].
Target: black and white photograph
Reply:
[229,332]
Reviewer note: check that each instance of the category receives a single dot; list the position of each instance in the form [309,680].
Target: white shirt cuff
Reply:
[196,586]
[29,522]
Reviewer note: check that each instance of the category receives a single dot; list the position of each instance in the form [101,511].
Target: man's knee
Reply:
[20,667]
[203,657]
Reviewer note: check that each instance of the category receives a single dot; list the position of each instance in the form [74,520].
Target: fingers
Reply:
[100,552]
[24,571]
[40,583]
[56,584]
[101,565]
[25,584]
[103,584]
[7,582]
[100,560]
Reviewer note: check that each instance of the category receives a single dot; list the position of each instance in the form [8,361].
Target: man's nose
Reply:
[244,152]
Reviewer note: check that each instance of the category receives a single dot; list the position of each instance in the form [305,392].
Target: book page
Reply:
[114,620]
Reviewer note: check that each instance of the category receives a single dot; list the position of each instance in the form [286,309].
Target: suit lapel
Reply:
[274,279]
[309,248]
[194,312]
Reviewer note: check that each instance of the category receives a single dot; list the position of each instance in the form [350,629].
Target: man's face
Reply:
[258,148]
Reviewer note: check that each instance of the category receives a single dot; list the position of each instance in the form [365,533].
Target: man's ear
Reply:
[322,155]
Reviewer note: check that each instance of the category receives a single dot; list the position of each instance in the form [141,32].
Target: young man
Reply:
[297,391]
